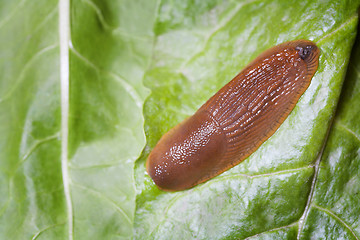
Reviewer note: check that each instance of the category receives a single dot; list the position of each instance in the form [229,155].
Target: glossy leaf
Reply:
[334,209]
[268,195]
[140,67]
[109,50]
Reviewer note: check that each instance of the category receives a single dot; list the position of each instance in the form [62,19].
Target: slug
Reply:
[234,122]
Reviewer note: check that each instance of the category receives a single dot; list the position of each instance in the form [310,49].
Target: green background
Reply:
[139,67]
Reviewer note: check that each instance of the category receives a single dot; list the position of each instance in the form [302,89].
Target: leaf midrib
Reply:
[64,38]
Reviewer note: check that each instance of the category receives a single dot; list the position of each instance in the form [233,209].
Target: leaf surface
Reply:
[334,209]
[110,50]
[72,160]
[32,202]
[267,195]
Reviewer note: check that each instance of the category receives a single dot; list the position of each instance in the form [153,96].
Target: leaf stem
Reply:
[64,34]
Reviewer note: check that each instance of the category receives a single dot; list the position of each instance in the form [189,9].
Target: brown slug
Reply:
[234,122]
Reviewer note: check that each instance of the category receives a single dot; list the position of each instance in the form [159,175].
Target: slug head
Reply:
[307,51]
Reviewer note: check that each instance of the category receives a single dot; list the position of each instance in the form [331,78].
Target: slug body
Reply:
[234,122]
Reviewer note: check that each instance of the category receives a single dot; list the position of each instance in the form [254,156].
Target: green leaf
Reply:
[82,103]
[31,189]
[335,205]
[80,187]
[267,195]
[110,51]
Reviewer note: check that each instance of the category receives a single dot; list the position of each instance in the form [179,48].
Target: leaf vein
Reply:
[36,145]
[215,30]
[314,181]
[264,174]
[272,230]
[45,229]
[46,19]
[27,65]
[23,159]
[65,40]
[99,14]
[102,196]
[348,130]
[12,13]
[129,89]
[342,26]
[336,218]
[220,178]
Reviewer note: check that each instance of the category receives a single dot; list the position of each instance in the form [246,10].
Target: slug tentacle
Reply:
[234,122]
